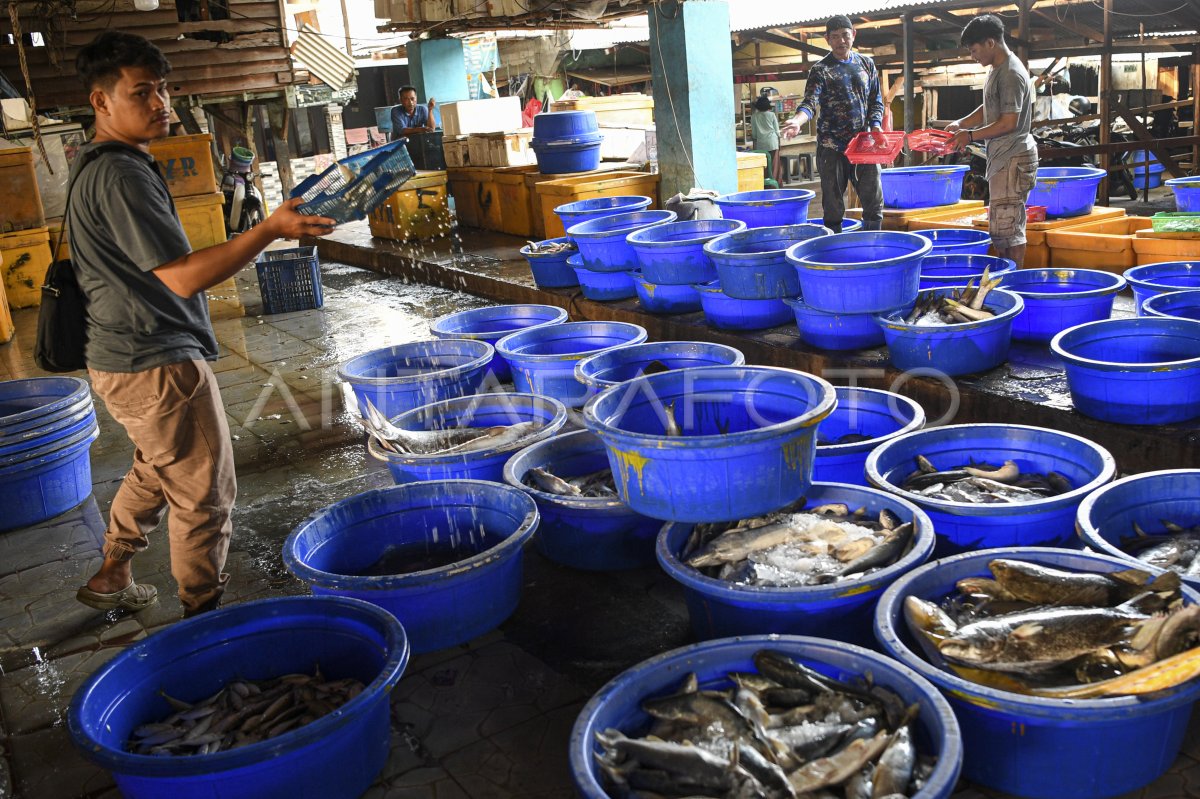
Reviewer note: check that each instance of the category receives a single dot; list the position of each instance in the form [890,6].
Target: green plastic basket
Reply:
[1175,222]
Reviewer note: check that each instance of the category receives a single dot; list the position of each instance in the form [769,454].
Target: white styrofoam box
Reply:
[501,149]
[620,142]
[493,115]
[456,150]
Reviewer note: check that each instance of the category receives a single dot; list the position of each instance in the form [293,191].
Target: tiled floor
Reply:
[488,719]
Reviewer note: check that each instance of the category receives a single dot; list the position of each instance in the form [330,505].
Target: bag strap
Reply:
[88,157]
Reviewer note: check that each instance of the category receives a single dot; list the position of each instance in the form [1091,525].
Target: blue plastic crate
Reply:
[355,186]
[289,280]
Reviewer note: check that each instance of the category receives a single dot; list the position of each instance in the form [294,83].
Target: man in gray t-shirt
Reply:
[1005,117]
[149,340]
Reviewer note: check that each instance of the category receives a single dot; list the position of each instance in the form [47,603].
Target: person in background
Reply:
[1003,122]
[149,339]
[764,128]
[409,118]
[844,85]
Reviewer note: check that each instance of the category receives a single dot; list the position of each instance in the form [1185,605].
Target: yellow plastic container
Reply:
[203,219]
[1104,244]
[1152,248]
[21,208]
[900,218]
[419,210]
[617,109]
[55,227]
[6,322]
[186,164]
[553,193]
[475,197]
[516,200]
[750,169]
[26,257]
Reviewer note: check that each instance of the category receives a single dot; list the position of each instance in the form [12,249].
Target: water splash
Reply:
[49,681]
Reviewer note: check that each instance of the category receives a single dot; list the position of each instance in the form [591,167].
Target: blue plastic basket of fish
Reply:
[356,186]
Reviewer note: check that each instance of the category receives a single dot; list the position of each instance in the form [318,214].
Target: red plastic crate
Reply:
[1035,213]
[864,150]
[928,140]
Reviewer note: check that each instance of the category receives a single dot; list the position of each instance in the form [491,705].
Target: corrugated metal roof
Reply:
[322,58]
[746,15]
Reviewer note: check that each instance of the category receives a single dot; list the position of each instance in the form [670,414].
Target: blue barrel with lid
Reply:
[555,125]
[1034,746]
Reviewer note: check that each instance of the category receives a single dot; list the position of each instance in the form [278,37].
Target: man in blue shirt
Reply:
[409,118]
[845,86]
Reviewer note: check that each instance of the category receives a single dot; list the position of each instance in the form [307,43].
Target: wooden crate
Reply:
[1102,244]
[186,164]
[22,206]
[1153,248]
[203,219]
[26,257]
[553,193]
[419,210]
[617,109]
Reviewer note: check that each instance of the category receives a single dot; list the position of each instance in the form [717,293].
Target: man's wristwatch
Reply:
[971,133]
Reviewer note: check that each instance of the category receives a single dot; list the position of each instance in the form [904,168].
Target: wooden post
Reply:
[1195,84]
[248,118]
[279,116]
[1023,25]
[909,94]
[1106,99]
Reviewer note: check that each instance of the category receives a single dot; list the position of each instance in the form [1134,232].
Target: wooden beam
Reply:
[280,115]
[1115,147]
[791,42]
[1023,26]
[1150,143]
[909,96]
[1078,28]
[1105,98]
[1196,106]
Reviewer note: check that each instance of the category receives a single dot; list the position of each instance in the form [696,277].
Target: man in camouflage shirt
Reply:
[845,86]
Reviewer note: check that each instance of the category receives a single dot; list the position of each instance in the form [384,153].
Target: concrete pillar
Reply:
[691,63]
[437,70]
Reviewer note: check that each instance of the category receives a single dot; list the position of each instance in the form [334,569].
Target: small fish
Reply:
[654,368]
[553,484]
[672,425]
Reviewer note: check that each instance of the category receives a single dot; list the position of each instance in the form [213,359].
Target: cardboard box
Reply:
[457,150]
[501,149]
[493,115]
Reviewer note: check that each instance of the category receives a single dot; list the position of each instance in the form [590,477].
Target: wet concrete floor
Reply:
[489,719]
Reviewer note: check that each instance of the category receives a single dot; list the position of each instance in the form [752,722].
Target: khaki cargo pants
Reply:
[183,460]
[1008,191]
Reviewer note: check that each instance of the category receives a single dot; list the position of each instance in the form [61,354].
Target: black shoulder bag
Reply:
[62,317]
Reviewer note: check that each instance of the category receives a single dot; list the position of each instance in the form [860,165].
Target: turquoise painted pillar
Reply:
[437,70]
[691,63]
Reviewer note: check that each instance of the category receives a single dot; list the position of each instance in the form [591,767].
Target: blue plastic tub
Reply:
[751,264]
[1056,299]
[848,225]
[601,240]
[1106,517]
[40,487]
[881,415]
[589,533]
[1174,304]
[483,526]
[556,125]
[36,401]
[605,286]
[543,359]
[406,376]
[494,323]
[551,271]
[965,526]
[1133,371]
[1150,279]
[960,349]
[1066,190]
[574,154]
[831,331]
[617,366]
[726,313]
[1152,181]
[572,214]
[618,704]
[864,272]
[938,270]
[52,445]
[767,207]
[746,446]
[1035,746]
[337,755]
[958,241]
[480,410]
[668,299]
[37,439]
[841,611]
[923,186]
[1187,193]
[673,254]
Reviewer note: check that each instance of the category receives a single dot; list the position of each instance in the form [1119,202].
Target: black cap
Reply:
[836,23]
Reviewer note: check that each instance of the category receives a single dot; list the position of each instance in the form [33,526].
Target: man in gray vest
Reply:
[1003,122]
[149,339]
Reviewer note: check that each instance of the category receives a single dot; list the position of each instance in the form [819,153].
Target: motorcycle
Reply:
[243,203]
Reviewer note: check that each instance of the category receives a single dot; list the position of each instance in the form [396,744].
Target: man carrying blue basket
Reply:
[1004,120]
[149,338]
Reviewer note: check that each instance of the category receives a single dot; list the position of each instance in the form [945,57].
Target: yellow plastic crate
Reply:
[475,196]
[899,218]
[750,170]
[203,219]
[1104,244]
[186,164]
[6,322]
[1152,248]
[419,210]
[22,207]
[26,258]
[554,193]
